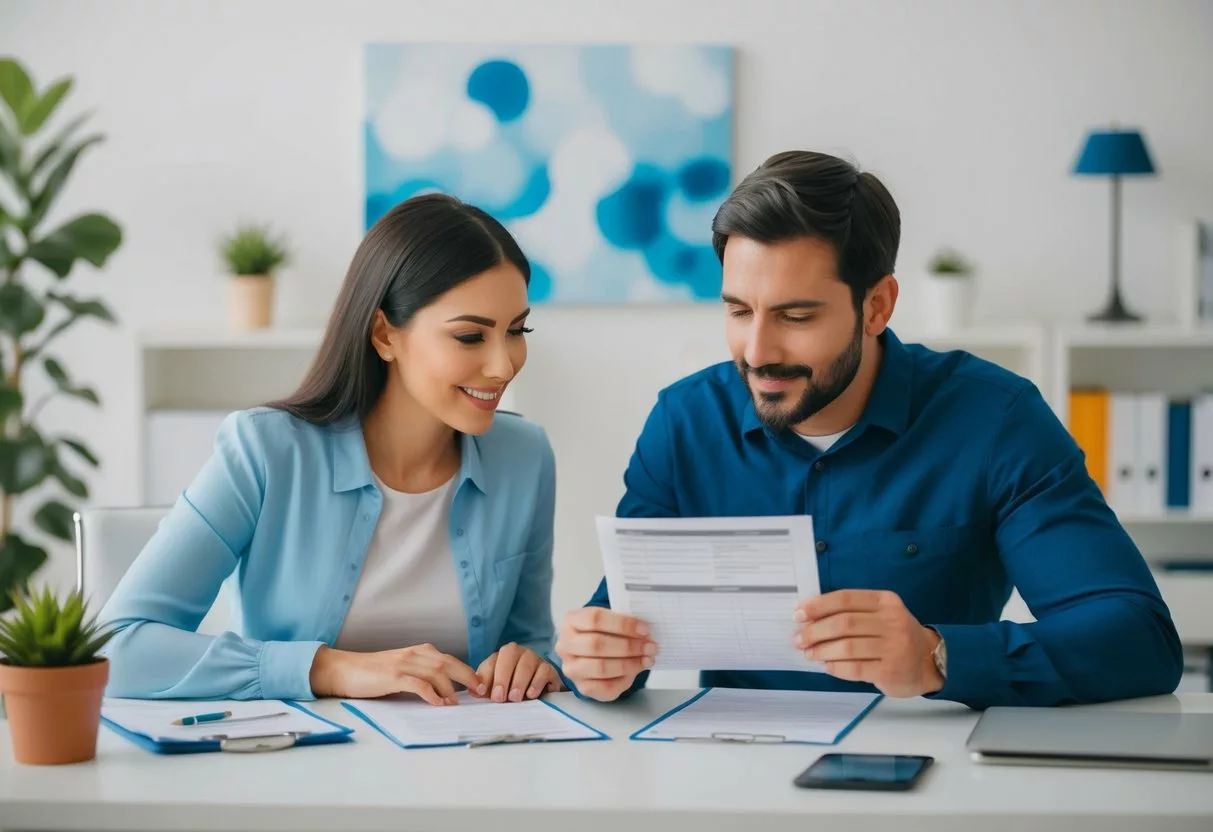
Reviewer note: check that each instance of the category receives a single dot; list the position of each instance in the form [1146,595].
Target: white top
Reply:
[825,442]
[408,592]
[619,784]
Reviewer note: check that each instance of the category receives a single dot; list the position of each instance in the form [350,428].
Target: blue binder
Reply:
[270,741]
[1179,454]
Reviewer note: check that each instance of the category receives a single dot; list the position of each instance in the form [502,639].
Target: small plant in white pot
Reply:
[53,678]
[948,292]
[252,255]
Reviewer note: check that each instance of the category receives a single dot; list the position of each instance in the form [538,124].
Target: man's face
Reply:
[791,326]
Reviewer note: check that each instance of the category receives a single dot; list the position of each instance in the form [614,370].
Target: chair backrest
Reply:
[107,542]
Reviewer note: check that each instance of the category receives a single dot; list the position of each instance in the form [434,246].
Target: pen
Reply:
[222,716]
[197,718]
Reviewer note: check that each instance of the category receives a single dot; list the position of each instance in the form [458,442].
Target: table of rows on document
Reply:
[717,593]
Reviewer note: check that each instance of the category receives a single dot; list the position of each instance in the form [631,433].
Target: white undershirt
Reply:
[825,442]
[408,592]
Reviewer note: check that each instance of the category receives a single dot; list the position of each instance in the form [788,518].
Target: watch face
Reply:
[941,658]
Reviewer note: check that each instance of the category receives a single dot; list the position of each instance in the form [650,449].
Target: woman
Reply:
[387,531]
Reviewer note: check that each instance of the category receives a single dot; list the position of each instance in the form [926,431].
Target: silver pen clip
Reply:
[501,739]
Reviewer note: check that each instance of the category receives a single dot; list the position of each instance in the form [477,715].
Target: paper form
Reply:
[717,593]
[764,716]
[412,722]
[258,717]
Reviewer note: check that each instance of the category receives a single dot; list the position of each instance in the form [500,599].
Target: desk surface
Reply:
[371,784]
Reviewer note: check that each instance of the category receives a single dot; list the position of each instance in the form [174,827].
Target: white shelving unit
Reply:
[1021,348]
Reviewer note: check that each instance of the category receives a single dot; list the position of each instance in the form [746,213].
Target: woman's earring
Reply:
[387,356]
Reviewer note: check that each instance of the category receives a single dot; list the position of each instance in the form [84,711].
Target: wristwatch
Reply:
[940,655]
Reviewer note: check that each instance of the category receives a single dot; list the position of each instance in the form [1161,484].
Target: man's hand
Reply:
[869,636]
[421,669]
[515,673]
[602,651]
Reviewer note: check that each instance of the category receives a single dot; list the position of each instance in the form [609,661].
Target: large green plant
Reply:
[35,310]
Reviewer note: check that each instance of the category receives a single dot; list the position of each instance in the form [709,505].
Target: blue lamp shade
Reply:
[1113,153]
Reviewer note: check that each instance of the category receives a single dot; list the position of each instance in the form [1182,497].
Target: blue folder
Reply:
[1179,454]
[270,741]
[728,737]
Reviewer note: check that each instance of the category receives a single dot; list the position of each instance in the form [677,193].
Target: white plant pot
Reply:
[947,303]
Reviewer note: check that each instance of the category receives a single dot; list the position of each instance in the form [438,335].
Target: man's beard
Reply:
[817,395]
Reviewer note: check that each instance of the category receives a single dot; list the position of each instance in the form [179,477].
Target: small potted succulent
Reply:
[252,254]
[52,678]
[948,292]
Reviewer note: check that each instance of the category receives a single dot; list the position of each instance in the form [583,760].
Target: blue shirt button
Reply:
[458,532]
[475,621]
[463,564]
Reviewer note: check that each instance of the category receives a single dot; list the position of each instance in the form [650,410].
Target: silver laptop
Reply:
[1093,737]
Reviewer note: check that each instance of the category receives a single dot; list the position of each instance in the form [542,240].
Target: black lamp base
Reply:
[1115,312]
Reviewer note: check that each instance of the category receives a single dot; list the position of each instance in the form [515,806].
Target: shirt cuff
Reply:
[972,678]
[286,668]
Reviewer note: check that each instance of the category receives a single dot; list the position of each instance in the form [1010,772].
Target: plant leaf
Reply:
[15,87]
[90,237]
[11,401]
[56,519]
[25,461]
[58,375]
[81,450]
[74,486]
[36,114]
[83,307]
[10,152]
[54,145]
[20,311]
[55,370]
[18,562]
[41,202]
[7,257]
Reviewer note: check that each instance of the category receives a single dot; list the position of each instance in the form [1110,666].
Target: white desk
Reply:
[618,785]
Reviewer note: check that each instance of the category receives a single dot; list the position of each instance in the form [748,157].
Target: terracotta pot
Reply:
[250,301]
[54,712]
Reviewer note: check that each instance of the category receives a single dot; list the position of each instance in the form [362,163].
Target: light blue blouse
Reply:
[287,509]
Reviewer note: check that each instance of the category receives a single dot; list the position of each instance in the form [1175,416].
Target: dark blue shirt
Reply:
[957,483]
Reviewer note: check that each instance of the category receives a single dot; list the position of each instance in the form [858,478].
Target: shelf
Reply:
[1111,337]
[1178,517]
[990,336]
[221,339]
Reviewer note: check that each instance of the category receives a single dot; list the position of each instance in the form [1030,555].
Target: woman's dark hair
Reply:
[414,253]
[800,193]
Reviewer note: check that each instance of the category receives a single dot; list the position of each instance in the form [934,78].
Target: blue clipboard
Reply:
[502,740]
[726,736]
[268,742]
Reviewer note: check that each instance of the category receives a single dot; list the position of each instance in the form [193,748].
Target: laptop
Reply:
[1093,737]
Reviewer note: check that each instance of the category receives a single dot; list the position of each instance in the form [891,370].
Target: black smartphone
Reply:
[868,772]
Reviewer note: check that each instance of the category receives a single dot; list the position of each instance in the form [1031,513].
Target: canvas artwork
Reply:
[607,163]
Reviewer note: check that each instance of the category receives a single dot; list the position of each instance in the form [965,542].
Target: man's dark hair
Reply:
[800,193]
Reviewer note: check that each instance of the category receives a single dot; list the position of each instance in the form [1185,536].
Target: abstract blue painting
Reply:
[607,163]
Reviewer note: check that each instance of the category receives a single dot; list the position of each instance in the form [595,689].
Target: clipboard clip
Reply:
[250,745]
[726,736]
[501,739]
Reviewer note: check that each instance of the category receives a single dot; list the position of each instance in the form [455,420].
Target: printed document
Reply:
[763,716]
[413,723]
[717,593]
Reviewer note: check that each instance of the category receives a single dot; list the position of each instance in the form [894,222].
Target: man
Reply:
[936,481]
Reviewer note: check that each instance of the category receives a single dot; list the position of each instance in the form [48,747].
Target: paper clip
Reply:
[724,736]
[265,742]
[501,739]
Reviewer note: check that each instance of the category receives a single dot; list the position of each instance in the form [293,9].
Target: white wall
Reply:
[972,112]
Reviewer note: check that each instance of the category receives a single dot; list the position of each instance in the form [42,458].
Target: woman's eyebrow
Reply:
[489,322]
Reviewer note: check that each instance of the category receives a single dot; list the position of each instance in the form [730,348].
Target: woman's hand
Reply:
[516,673]
[421,669]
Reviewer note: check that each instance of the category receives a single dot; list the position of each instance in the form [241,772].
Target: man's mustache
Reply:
[778,372]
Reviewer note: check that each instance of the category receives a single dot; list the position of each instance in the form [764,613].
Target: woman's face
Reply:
[458,354]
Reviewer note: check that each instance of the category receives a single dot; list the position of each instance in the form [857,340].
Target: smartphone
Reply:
[868,772]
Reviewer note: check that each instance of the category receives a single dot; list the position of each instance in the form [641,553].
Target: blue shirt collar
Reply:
[352,467]
[889,405]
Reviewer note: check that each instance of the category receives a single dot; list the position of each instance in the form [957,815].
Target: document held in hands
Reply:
[762,716]
[717,593]
[411,723]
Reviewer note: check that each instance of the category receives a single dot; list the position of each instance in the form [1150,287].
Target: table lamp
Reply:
[1114,153]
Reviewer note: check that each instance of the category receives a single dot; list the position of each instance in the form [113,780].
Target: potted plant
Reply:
[35,310]
[52,678]
[948,292]
[252,254]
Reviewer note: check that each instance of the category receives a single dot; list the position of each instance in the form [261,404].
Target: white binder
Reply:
[1151,453]
[1122,452]
[1202,454]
